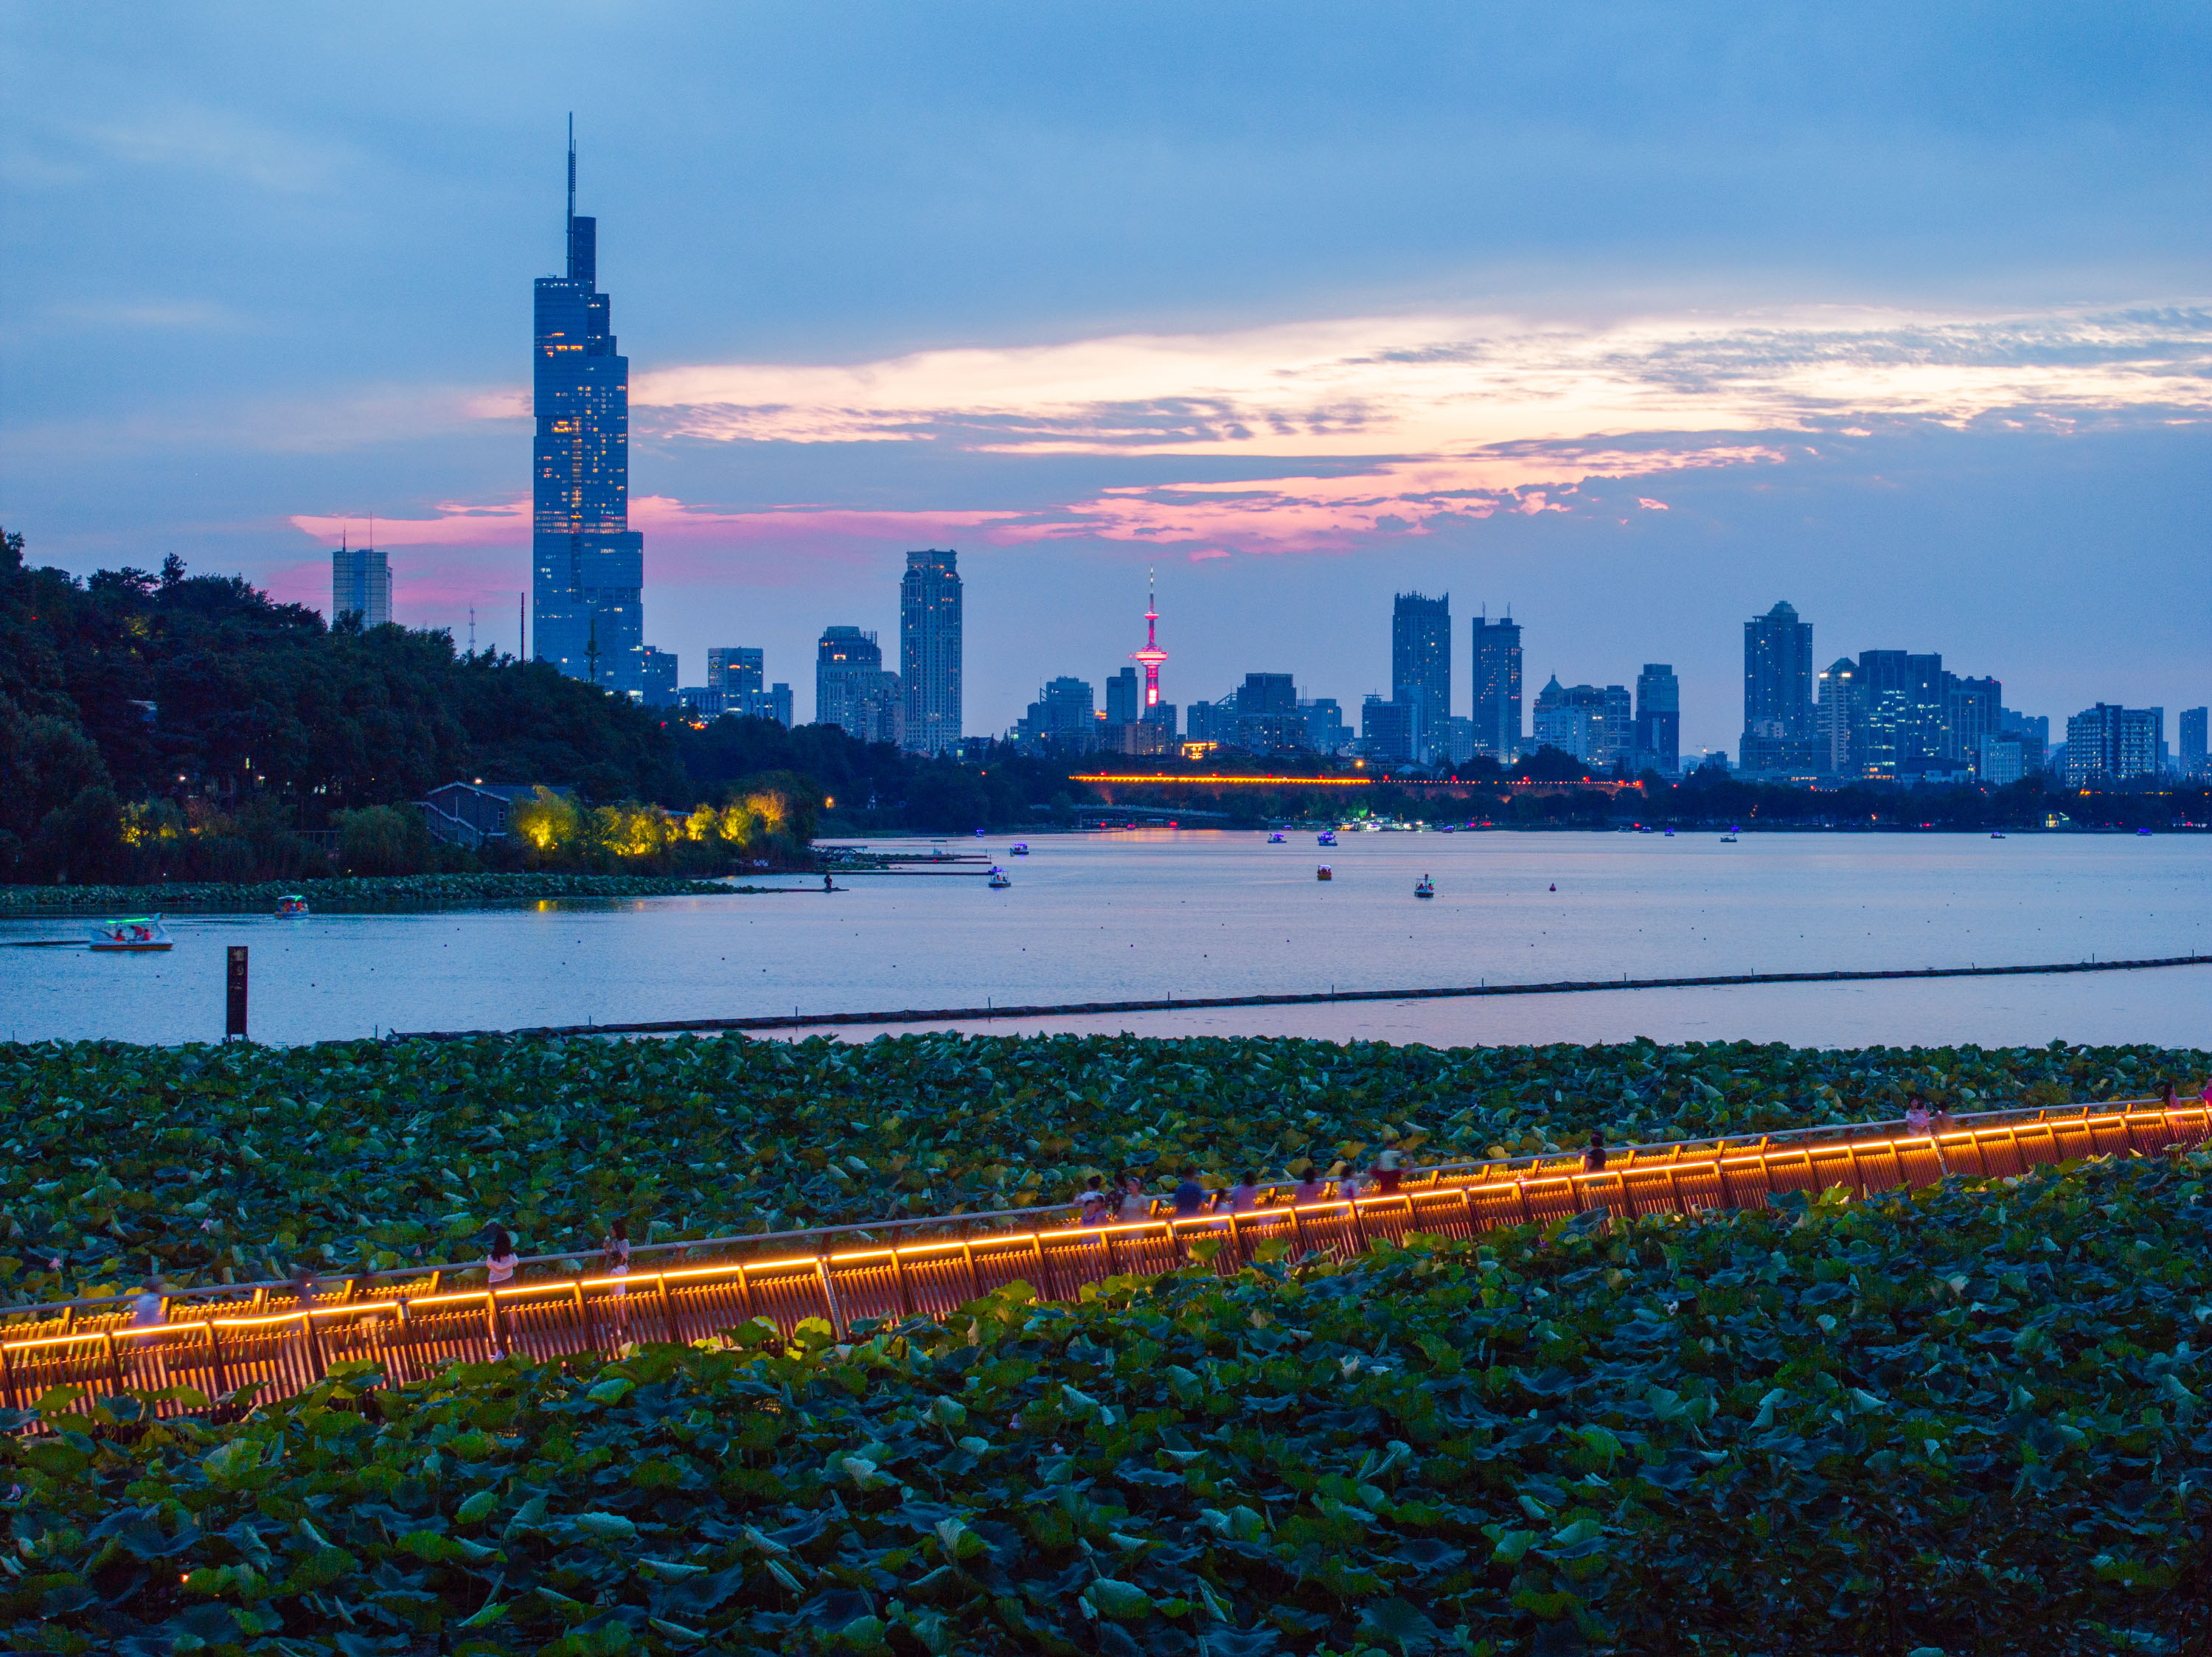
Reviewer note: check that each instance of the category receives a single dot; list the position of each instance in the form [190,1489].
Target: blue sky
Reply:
[1636,319]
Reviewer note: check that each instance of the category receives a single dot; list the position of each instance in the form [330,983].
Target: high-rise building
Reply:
[1420,661]
[1658,719]
[1268,720]
[2107,744]
[1123,697]
[1926,703]
[1778,687]
[2034,734]
[2195,761]
[1613,743]
[839,654]
[1064,715]
[1999,761]
[588,566]
[1498,688]
[1835,718]
[736,669]
[361,585]
[1387,730]
[1578,720]
[1883,714]
[929,651]
[1326,731]
[775,703]
[656,677]
[1973,708]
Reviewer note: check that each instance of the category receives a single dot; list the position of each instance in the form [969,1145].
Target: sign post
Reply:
[234,995]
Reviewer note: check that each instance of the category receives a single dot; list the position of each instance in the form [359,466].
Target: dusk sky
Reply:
[1634,318]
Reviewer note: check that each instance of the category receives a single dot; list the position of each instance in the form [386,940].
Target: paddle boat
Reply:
[1324,872]
[999,880]
[1729,839]
[291,904]
[1997,834]
[1326,838]
[1020,848]
[136,936]
[1276,838]
[1425,887]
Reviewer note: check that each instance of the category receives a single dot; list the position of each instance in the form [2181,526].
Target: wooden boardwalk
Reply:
[409,1327]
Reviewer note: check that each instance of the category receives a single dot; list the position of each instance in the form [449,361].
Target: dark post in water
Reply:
[233,1022]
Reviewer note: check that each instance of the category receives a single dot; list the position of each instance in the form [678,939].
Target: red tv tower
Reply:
[1152,656]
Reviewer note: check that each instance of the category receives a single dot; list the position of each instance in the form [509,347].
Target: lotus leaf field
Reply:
[349,895]
[202,1161]
[1968,1419]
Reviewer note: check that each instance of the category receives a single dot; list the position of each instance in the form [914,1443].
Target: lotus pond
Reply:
[202,1161]
[1969,1420]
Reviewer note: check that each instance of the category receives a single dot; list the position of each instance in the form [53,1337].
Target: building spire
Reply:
[570,225]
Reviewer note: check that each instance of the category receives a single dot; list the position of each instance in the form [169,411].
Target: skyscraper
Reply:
[361,585]
[1658,719]
[929,651]
[1881,713]
[2107,744]
[1835,719]
[2193,757]
[1420,661]
[1123,697]
[736,670]
[850,685]
[1778,687]
[657,676]
[1498,688]
[588,567]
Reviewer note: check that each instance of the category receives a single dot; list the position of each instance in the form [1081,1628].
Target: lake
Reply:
[1156,912]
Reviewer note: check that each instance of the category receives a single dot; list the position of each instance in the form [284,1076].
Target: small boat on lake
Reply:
[1997,834]
[1276,838]
[1326,838]
[1729,838]
[1324,872]
[999,878]
[291,904]
[1425,887]
[138,935]
[1020,848]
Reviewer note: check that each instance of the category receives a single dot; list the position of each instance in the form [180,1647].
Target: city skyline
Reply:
[1870,326]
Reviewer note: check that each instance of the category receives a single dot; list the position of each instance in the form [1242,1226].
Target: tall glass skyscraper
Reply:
[588,567]
[929,651]
[1420,665]
[1498,688]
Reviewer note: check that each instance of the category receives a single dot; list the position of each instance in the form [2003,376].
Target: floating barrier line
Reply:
[407,1337]
[993,1013]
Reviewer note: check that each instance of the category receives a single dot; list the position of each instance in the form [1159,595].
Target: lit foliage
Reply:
[1970,1419]
[247,1159]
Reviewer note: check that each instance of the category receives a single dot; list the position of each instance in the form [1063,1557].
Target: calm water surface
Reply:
[1157,913]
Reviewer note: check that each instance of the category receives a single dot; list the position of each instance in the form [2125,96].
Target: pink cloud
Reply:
[1650,505]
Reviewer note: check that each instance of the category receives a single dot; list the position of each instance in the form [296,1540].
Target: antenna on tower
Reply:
[472,630]
[572,167]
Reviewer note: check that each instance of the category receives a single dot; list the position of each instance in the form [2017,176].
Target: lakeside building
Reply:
[1658,719]
[1388,730]
[1778,691]
[656,676]
[851,688]
[2109,744]
[2033,732]
[1497,661]
[1999,761]
[1326,731]
[929,651]
[1591,722]
[587,565]
[361,585]
[1420,666]
[1064,717]
[2195,761]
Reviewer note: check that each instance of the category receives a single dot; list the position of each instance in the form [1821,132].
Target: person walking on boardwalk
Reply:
[1189,1196]
[614,1260]
[1389,1169]
[1242,1197]
[1310,1188]
[1594,1158]
[1915,1116]
[1136,1204]
[1348,1182]
[1092,1208]
[150,1311]
[500,1258]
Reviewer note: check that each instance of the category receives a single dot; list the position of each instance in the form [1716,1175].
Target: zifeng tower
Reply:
[587,565]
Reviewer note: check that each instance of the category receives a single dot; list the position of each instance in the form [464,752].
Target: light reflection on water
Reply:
[1132,915]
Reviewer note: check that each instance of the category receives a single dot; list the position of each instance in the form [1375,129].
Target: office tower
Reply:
[1613,740]
[1123,697]
[361,585]
[1973,708]
[1498,688]
[656,676]
[1777,689]
[1162,715]
[929,651]
[1198,722]
[1063,718]
[1883,714]
[1387,730]
[839,654]
[775,703]
[1658,719]
[1420,660]
[1925,710]
[1267,716]
[1592,724]
[2108,744]
[587,566]
[1835,718]
[1999,761]
[1326,731]
[2194,760]
[735,669]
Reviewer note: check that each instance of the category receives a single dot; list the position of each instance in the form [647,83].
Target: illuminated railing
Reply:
[217,1351]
